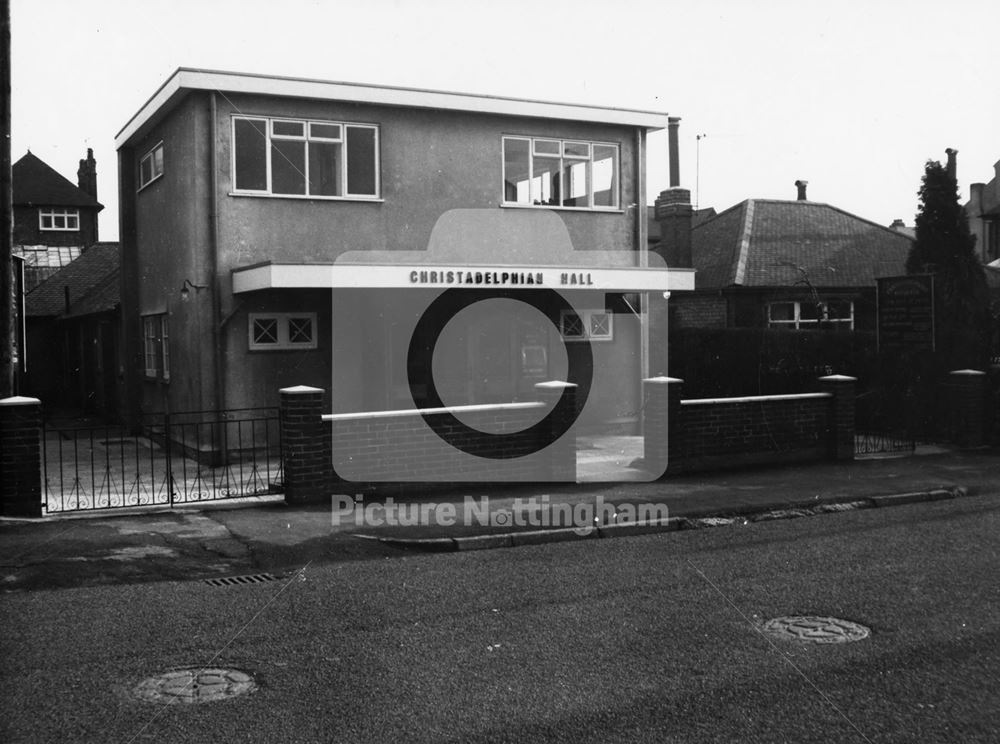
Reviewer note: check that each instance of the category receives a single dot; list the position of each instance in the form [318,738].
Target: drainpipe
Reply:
[213,256]
[643,246]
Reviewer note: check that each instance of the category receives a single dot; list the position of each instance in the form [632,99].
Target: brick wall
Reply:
[389,451]
[20,457]
[754,430]
[699,312]
[690,435]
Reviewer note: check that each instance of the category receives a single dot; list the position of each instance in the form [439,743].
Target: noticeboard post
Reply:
[906,313]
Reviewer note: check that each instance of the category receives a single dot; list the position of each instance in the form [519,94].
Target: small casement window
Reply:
[59,219]
[570,174]
[156,346]
[316,159]
[811,315]
[282,331]
[151,166]
[586,325]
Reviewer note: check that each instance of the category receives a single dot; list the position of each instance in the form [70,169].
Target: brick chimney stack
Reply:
[674,212]
[86,175]
[952,167]
[801,186]
[86,179]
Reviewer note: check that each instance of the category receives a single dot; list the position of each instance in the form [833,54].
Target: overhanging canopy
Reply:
[270,275]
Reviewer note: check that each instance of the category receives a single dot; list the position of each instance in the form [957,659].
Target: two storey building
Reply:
[396,247]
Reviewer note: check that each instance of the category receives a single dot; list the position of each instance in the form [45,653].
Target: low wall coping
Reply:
[838,378]
[300,390]
[754,399]
[554,385]
[662,380]
[364,415]
[20,400]
[968,372]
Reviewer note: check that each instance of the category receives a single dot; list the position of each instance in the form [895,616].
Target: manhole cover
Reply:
[813,629]
[195,685]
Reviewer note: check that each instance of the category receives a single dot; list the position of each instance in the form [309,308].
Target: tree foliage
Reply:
[945,248]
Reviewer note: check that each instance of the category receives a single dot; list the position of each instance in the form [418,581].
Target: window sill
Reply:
[588,210]
[148,184]
[302,197]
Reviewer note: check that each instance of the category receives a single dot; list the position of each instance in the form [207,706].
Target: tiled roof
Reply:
[770,243]
[92,285]
[37,184]
[653,226]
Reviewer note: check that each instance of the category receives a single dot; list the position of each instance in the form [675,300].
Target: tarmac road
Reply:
[652,638]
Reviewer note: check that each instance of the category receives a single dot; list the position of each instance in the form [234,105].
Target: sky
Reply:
[853,96]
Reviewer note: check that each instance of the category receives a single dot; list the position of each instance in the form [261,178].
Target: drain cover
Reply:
[195,685]
[813,629]
[234,580]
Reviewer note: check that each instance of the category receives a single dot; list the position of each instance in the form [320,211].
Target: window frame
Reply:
[156,346]
[798,323]
[307,137]
[282,341]
[66,213]
[564,160]
[151,157]
[586,317]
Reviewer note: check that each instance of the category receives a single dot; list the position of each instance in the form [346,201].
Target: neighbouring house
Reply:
[54,220]
[68,359]
[983,212]
[72,334]
[798,265]
[279,231]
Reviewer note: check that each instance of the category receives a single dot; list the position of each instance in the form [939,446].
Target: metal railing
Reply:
[172,459]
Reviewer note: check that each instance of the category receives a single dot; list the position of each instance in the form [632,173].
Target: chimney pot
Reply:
[801,186]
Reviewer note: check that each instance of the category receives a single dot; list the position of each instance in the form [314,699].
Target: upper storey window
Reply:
[59,219]
[293,157]
[560,173]
[151,166]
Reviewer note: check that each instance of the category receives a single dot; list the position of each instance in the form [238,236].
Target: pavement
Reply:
[266,538]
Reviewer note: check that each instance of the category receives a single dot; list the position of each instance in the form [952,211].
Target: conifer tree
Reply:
[945,248]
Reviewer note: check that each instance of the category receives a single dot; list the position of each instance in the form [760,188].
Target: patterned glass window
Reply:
[275,331]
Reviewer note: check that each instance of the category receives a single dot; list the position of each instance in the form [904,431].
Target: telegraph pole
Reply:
[7,324]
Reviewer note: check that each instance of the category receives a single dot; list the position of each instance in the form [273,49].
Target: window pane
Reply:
[324,169]
[782,311]
[576,149]
[515,171]
[165,345]
[548,147]
[300,330]
[809,311]
[72,221]
[146,171]
[600,325]
[288,128]
[288,167]
[265,331]
[46,221]
[158,161]
[605,176]
[545,183]
[575,183]
[59,221]
[361,161]
[572,326]
[250,154]
[328,131]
